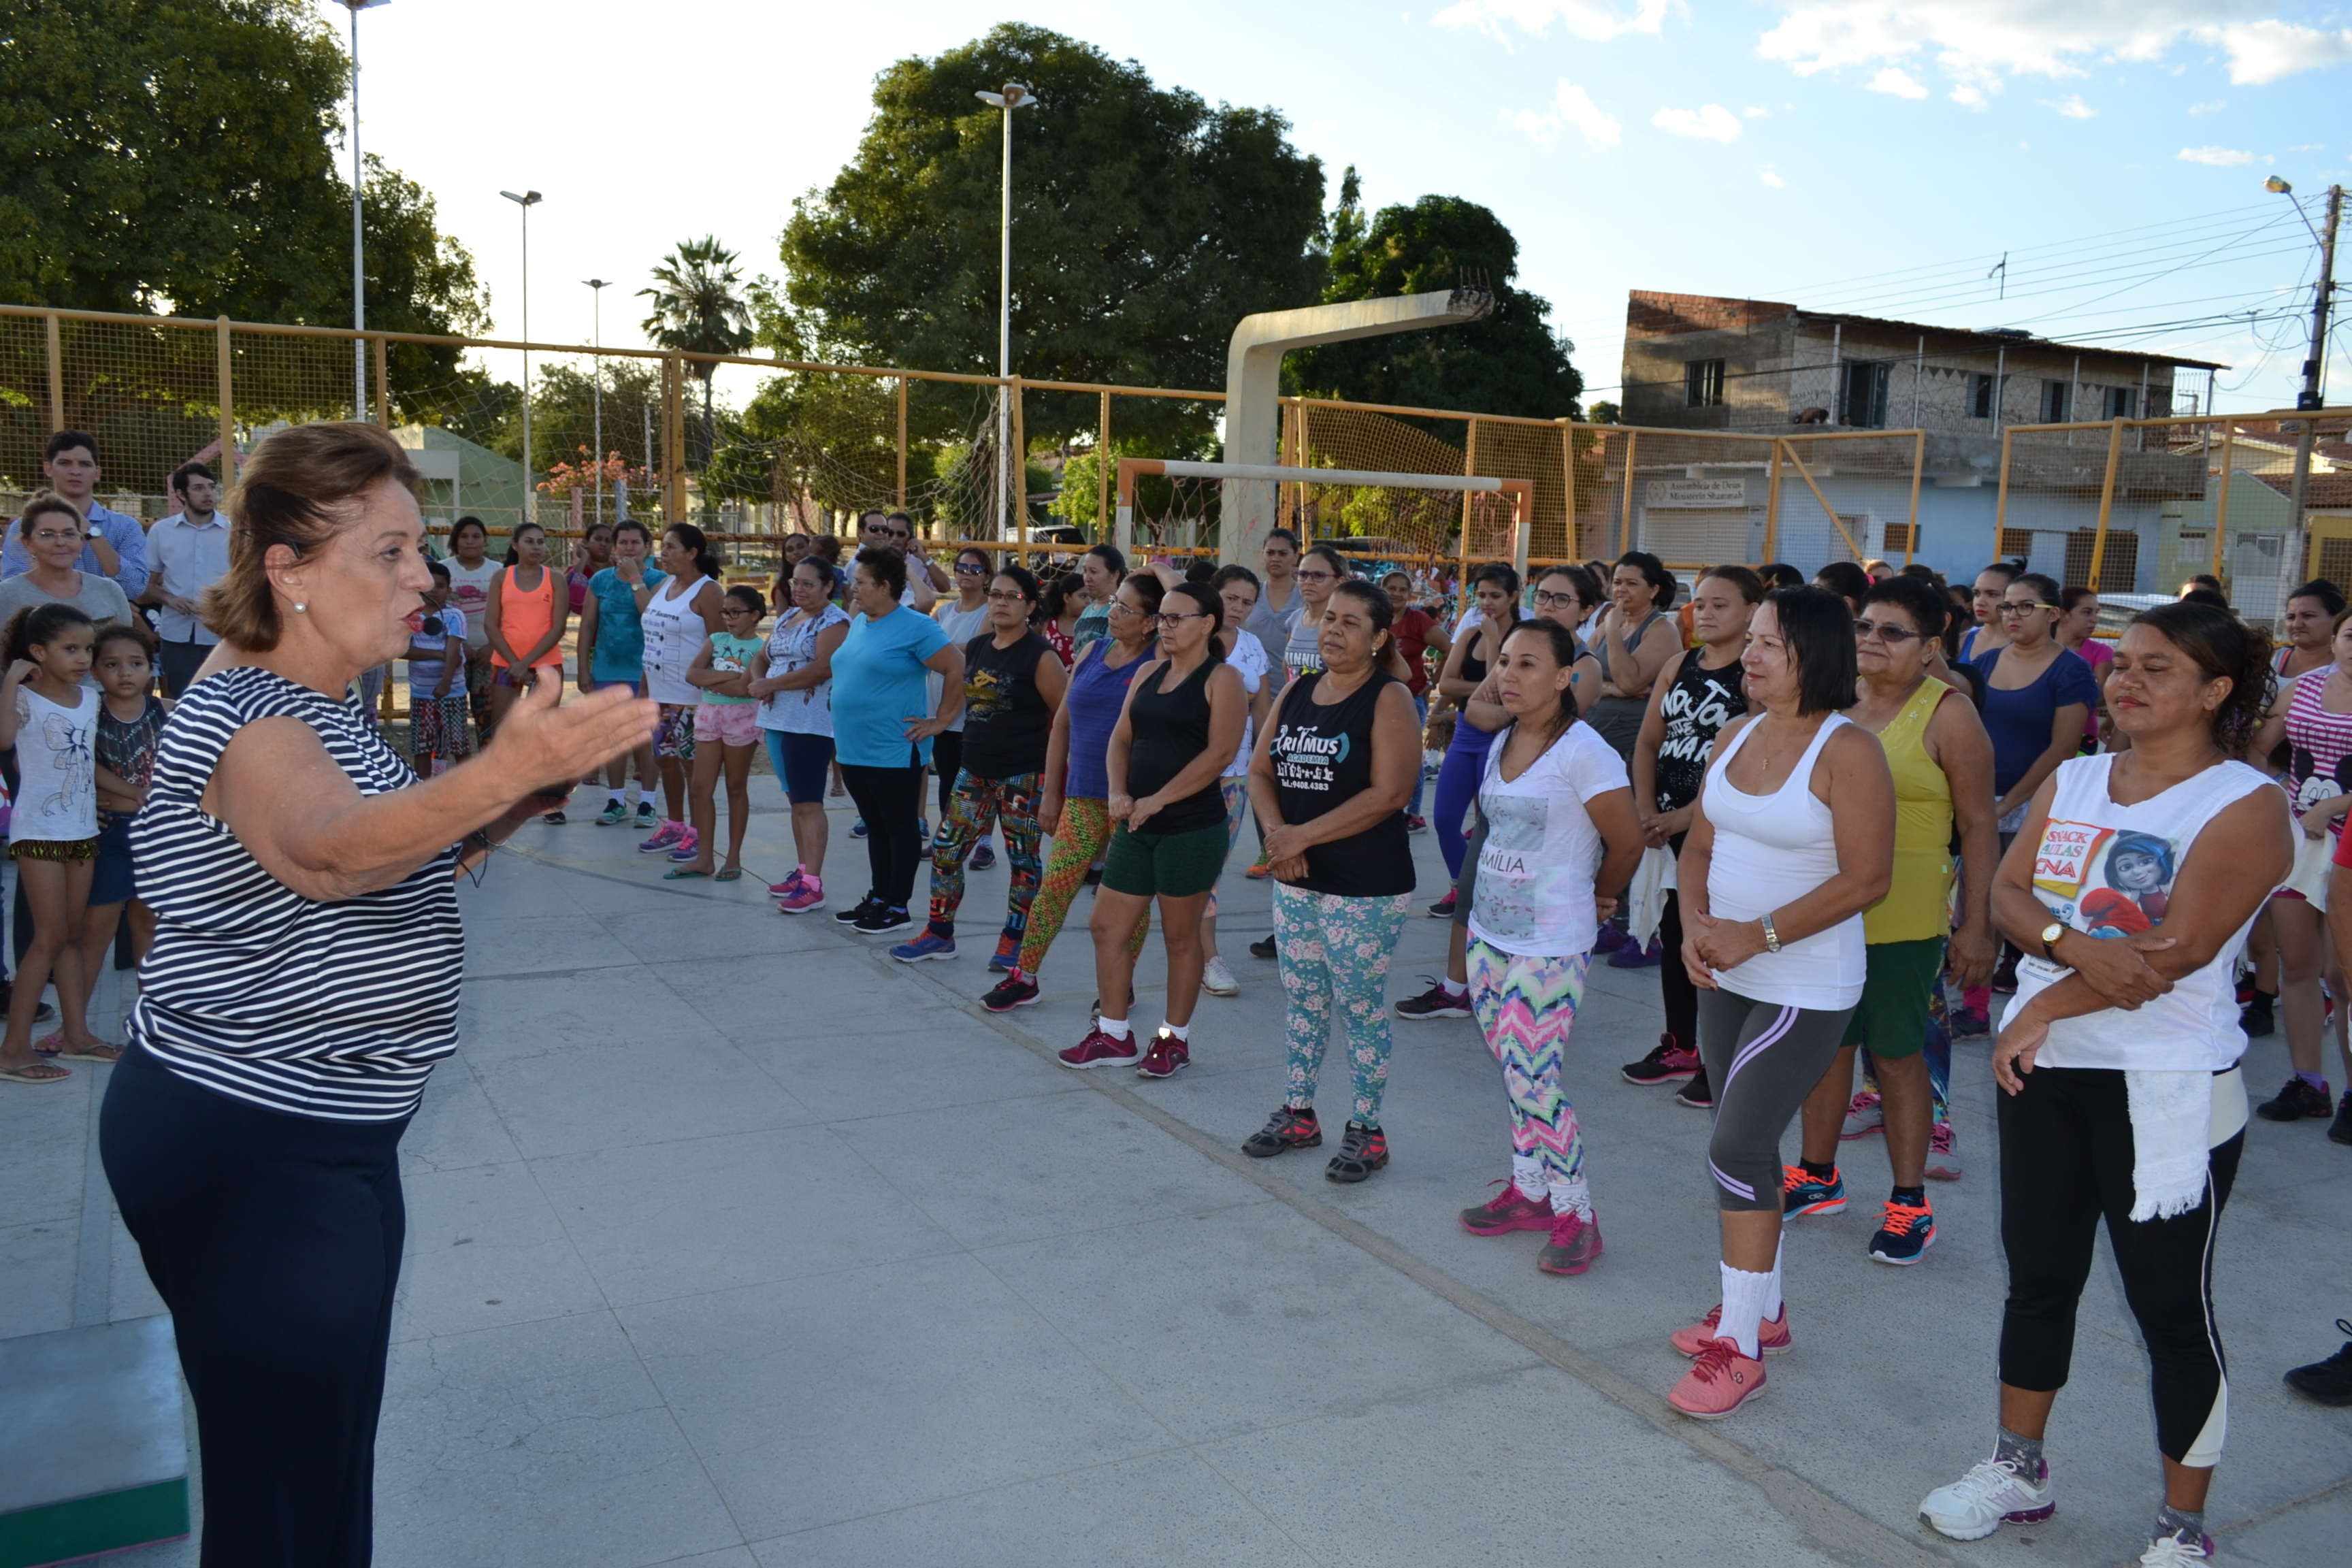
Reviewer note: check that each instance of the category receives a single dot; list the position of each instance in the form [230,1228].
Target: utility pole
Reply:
[599,285]
[526,201]
[358,240]
[1010,464]
[2311,397]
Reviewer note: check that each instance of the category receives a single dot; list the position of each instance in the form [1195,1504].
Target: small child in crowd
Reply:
[130,726]
[436,682]
[49,718]
[726,731]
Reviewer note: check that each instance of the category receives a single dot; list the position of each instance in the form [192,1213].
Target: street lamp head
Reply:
[597,282]
[363,4]
[1017,95]
[529,198]
[2277,187]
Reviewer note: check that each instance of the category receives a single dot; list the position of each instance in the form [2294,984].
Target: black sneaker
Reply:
[2340,1129]
[1444,908]
[1670,1063]
[1093,876]
[1286,1129]
[1696,1093]
[1362,1151]
[2330,1381]
[1437,1002]
[2258,1017]
[1009,993]
[858,911]
[2004,976]
[554,819]
[2296,1101]
[1262,948]
[881,920]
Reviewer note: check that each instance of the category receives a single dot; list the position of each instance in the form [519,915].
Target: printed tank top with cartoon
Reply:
[2107,870]
[1695,708]
[2319,747]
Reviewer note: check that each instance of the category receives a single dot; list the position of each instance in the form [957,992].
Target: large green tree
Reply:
[1145,222]
[1511,362]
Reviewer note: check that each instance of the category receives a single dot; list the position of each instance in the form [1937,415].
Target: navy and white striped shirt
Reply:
[335,1010]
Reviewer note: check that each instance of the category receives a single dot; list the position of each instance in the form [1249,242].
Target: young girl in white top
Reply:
[1793,839]
[1560,828]
[2118,1060]
[52,719]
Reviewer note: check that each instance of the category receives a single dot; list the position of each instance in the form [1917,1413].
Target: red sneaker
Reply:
[1099,1050]
[1772,1338]
[1168,1056]
[1719,1383]
[1514,1210]
[1574,1246]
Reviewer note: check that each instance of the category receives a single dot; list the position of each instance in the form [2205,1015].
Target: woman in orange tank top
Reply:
[524,619]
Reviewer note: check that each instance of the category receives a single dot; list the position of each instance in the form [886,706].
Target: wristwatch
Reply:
[2050,935]
[1772,937]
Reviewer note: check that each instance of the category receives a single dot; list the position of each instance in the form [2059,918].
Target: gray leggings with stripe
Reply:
[1762,1060]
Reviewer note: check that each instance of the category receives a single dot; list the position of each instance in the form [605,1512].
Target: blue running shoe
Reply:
[857,828]
[1904,1235]
[1803,1193]
[984,858]
[931,944]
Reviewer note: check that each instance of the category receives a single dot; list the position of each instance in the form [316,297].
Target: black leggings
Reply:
[1673,980]
[2065,1162]
[947,761]
[275,1240]
[891,801]
[1763,1059]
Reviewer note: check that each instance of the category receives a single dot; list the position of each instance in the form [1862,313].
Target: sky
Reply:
[1873,156]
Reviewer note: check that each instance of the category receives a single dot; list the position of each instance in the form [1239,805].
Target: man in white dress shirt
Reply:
[186,553]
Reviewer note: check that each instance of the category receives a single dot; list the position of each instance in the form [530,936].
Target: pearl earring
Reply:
[301,609]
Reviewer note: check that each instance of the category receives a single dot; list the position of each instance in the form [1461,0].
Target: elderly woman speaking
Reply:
[303,983]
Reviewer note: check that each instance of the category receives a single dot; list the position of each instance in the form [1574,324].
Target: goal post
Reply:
[1519,493]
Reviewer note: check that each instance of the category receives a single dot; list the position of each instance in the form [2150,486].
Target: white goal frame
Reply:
[1521,492]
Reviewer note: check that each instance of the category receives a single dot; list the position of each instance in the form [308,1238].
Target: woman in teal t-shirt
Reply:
[726,732]
[612,653]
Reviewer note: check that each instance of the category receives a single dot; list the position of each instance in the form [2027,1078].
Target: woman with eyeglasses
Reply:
[1495,589]
[1237,590]
[1012,687]
[963,618]
[2038,696]
[1320,570]
[1180,726]
[1074,794]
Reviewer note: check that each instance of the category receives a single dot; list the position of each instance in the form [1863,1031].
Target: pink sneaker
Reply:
[1099,1050]
[1772,1338]
[779,890]
[1514,1210]
[666,837]
[1719,1383]
[1943,1154]
[1575,1245]
[807,894]
[690,847]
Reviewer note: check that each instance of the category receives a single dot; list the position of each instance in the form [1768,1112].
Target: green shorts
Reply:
[1171,864]
[1897,987]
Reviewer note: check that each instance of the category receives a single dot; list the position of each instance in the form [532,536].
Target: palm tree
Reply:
[698,307]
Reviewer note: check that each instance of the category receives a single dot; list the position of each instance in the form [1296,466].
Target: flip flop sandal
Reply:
[678,873]
[732,874]
[91,1053]
[51,1044]
[32,1072]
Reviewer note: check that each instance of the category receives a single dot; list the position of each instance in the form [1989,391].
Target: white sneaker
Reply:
[2176,1550]
[1996,1492]
[1217,980]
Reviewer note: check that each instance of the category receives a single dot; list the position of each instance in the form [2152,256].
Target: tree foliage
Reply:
[1145,222]
[1510,362]
[700,306]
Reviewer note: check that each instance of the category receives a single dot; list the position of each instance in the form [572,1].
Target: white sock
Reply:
[1527,1175]
[1743,1308]
[1573,1194]
[1115,1027]
[1182,1031]
[1456,987]
[1772,1296]
[616,795]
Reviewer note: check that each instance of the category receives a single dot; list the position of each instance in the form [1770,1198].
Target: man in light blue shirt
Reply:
[189,551]
[116,547]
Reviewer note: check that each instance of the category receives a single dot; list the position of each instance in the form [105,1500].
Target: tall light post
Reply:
[1011,467]
[2315,368]
[526,201]
[599,285]
[359,242]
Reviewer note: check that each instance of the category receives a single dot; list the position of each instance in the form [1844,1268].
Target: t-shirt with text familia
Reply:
[1536,867]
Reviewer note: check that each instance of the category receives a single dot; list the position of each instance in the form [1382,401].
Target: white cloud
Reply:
[1896,82]
[1572,106]
[2219,157]
[1712,124]
[1771,179]
[1755,112]
[1968,97]
[2213,108]
[2073,107]
[1978,43]
[1590,20]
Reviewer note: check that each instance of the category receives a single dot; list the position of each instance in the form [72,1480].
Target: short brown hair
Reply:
[45,501]
[298,485]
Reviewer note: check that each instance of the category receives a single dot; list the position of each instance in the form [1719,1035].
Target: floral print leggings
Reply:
[1086,832]
[1337,951]
[974,806]
[1525,1008]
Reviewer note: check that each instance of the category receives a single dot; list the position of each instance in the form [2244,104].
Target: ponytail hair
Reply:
[706,560]
[1564,653]
[38,625]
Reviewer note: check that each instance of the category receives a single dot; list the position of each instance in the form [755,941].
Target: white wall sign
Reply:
[1698,492]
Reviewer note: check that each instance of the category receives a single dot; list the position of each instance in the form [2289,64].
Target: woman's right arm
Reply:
[1657,827]
[490,632]
[1057,765]
[306,825]
[588,645]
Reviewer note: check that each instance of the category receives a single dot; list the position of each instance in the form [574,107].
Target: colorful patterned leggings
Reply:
[972,808]
[1525,1007]
[1086,832]
[1236,794]
[1336,949]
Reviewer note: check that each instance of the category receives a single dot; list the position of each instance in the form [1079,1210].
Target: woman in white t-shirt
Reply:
[472,568]
[1237,590]
[1560,828]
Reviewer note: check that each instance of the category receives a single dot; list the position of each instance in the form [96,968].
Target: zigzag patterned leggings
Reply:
[1086,832]
[1525,1008]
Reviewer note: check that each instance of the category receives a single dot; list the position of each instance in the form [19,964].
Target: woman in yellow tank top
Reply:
[1941,759]
[524,619]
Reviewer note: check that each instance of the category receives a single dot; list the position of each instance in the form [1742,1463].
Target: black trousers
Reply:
[947,760]
[2066,1163]
[1673,980]
[179,662]
[891,802]
[275,1240]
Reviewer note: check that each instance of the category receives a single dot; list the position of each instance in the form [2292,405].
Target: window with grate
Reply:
[2123,402]
[1861,394]
[2017,544]
[2118,563]
[2057,401]
[1703,383]
[1981,398]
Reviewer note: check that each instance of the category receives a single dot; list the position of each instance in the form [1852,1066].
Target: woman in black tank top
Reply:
[1329,782]
[1180,726]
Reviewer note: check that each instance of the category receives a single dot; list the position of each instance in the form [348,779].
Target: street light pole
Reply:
[359,241]
[600,285]
[1011,467]
[2311,397]
[526,201]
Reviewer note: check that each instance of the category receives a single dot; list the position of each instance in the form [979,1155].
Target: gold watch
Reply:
[2050,935]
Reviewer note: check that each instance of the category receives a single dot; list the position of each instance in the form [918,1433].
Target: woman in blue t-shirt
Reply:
[613,652]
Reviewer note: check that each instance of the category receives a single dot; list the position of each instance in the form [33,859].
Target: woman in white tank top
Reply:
[678,616]
[1793,839]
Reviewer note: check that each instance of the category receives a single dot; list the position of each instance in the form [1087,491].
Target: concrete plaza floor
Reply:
[733,1242]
